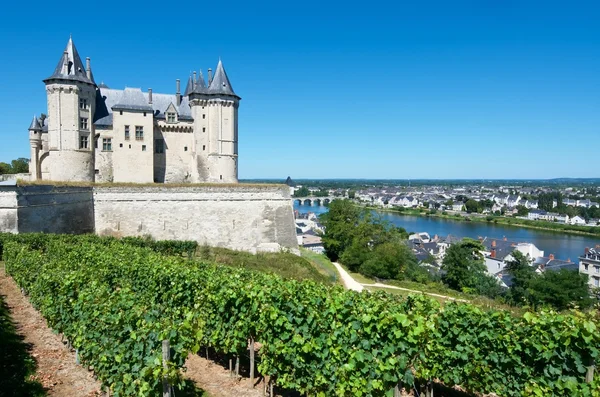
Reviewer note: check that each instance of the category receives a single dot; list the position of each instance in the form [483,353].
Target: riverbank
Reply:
[593,231]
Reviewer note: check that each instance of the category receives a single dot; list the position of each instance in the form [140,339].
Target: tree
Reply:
[20,166]
[560,289]
[340,223]
[463,265]
[351,194]
[388,260]
[522,210]
[5,168]
[302,192]
[519,267]
[472,206]
[369,233]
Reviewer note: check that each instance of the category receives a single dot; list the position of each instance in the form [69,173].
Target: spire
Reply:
[70,66]
[35,124]
[220,83]
[200,87]
[189,88]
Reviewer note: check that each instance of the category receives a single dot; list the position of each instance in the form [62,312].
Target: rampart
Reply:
[243,217]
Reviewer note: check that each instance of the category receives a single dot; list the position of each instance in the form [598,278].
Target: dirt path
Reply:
[215,380]
[347,279]
[380,285]
[56,368]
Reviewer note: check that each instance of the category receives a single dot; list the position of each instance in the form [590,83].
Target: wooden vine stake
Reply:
[230,368]
[252,362]
[237,365]
[397,391]
[589,376]
[429,388]
[166,356]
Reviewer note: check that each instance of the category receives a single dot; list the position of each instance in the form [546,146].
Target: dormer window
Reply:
[171,117]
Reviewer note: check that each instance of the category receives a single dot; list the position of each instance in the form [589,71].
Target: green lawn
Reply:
[322,264]
[284,264]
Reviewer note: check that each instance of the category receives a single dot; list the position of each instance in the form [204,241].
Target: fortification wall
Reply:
[46,208]
[243,217]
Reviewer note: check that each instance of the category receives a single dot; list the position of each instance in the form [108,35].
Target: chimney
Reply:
[209,76]
[504,238]
[150,96]
[88,68]
[569,260]
[551,257]
[493,243]
[587,250]
[493,254]
[178,93]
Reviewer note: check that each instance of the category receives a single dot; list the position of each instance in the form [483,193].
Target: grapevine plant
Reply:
[116,300]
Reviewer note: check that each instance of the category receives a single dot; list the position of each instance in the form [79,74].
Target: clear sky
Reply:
[434,89]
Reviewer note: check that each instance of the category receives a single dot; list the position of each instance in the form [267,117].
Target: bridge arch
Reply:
[307,202]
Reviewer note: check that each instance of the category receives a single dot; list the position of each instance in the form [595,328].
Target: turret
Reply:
[35,141]
[71,93]
[215,112]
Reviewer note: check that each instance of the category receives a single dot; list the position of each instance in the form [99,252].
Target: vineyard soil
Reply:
[56,368]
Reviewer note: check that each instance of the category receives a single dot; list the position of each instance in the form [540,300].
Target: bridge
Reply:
[313,201]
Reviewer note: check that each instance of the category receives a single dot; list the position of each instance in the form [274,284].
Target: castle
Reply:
[93,133]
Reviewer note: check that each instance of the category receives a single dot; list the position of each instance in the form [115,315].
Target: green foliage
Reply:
[560,289]
[18,166]
[463,264]
[473,206]
[545,200]
[116,302]
[388,260]
[339,222]
[522,273]
[522,210]
[302,192]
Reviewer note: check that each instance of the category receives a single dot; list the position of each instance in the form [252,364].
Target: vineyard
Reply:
[117,300]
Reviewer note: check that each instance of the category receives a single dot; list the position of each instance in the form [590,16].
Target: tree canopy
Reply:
[18,166]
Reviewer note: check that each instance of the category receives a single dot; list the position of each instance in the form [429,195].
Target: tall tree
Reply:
[464,265]
[340,223]
[560,289]
[519,267]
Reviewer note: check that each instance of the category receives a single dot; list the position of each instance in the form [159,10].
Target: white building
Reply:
[589,263]
[94,133]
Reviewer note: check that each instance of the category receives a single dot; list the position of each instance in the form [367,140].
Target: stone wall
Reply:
[46,208]
[243,217]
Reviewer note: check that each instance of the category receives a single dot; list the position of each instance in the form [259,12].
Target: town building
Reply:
[93,133]
[589,264]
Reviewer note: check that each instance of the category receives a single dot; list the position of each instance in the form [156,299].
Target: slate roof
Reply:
[503,248]
[220,84]
[108,98]
[70,66]
[133,99]
[189,88]
[555,264]
[200,87]
[35,124]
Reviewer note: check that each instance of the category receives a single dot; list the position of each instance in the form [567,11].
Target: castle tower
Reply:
[215,112]
[35,141]
[71,93]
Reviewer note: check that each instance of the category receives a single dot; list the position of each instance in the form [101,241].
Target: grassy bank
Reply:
[322,264]
[284,264]
[498,220]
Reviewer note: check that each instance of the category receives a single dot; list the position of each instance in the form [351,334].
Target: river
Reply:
[563,246]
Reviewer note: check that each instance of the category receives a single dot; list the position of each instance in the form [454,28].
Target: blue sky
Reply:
[464,89]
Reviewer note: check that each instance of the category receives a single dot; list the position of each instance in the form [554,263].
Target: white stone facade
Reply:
[96,134]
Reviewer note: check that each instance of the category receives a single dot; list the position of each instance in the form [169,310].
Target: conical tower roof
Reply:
[200,87]
[35,124]
[220,84]
[70,66]
[189,88]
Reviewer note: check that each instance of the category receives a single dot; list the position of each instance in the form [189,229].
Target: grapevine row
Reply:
[116,300]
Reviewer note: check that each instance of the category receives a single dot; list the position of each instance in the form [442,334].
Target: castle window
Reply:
[107,144]
[120,112]
[83,103]
[171,117]
[203,147]
[204,116]
[83,142]
[139,133]
[221,177]
[83,123]
[159,145]
[143,148]
[144,114]
[203,129]
[185,148]
[120,145]
[126,132]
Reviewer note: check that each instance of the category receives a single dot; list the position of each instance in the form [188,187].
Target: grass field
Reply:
[322,264]
[284,264]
